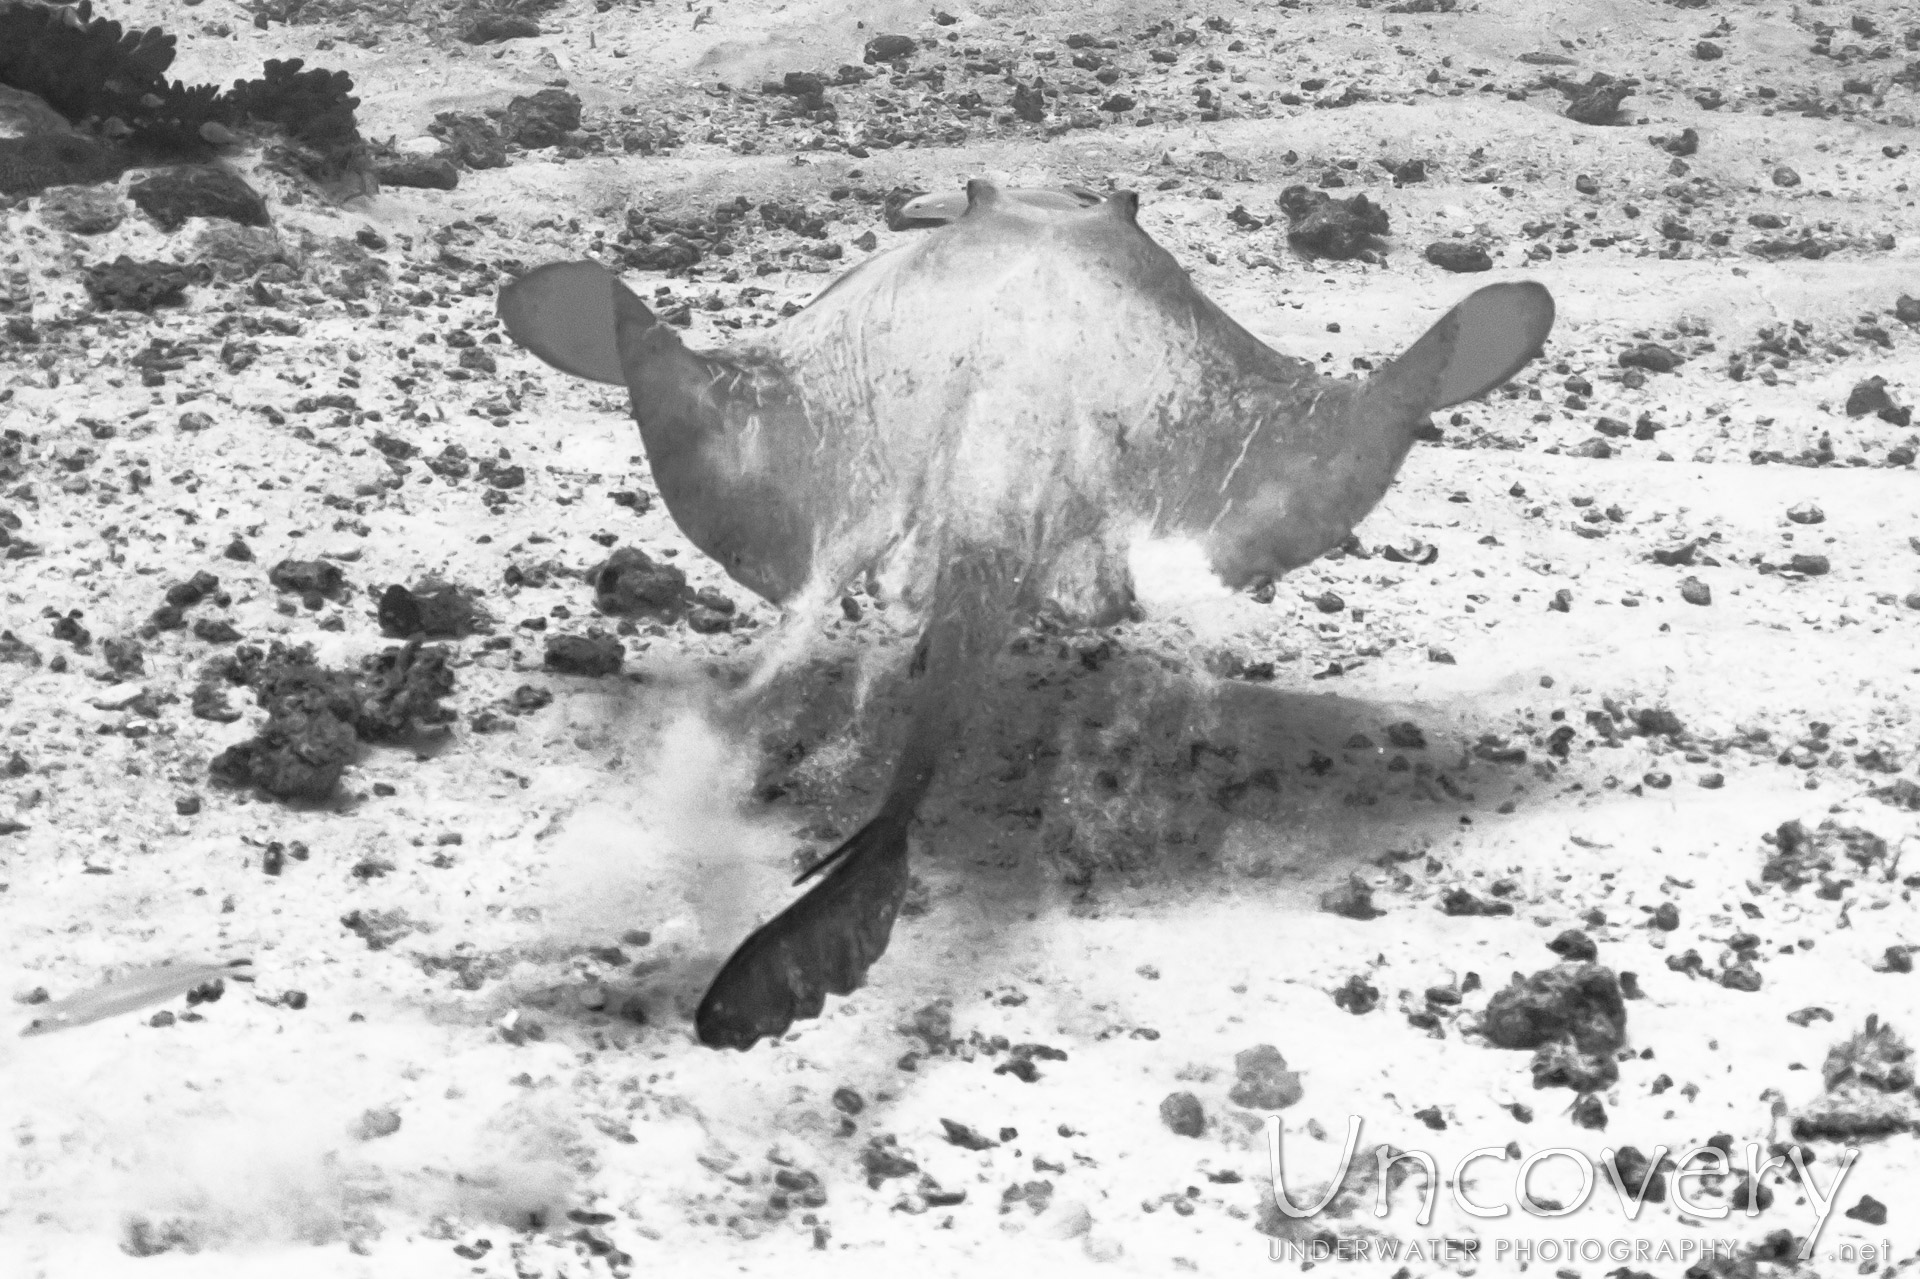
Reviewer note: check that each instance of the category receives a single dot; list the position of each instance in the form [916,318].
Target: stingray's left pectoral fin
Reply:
[822,944]
[564,313]
[1477,346]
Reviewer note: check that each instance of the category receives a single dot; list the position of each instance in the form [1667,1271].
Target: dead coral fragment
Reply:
[316,718]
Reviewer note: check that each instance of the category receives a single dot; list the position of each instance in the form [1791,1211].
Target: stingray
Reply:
[998,407]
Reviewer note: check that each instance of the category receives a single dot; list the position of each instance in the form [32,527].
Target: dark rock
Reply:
[1869,1080]
[658,136]
[1581,1001]
[238,251]
[592,656]
[1651,356]
[124,657]
[1573,945]
[400,691]
[1810,565]
[216,630]
[17,651]
[1868,396]
[424,172]
[128,285]
[308,738]
[190,592]
[1598,101]
[432,608]
[708,621]
[26,115]
[1588,1111]
[1657,721]
[1800,856]
[661,255]
[542,120]
[1875,1057]
[966,1138]
[380,929]
[718,601]
[1685,144]
[1672,228]
[302,577]
[1869,1211]
[82,210]
[1695,591]
[28,165]
[882,1162]
[375,1124]
[1263,1080]
[1352,900]
[171,196]
[1332,228]
[1458,256]
[1636,1172]
[1030,101]
[1183,1113]
[888,48]
[805,85]
[394,447]
[1458,902]
[495,27]
[1358,996]
[632,583]
[1406,735]
[471,139]
[1900,793]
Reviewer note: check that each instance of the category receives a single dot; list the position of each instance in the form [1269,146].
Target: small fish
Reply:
[141,988]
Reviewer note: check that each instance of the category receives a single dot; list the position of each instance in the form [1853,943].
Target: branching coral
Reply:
[314,106]
[81,65]
[90,68]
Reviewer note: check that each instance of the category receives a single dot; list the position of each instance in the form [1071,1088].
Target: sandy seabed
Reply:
[1141,864]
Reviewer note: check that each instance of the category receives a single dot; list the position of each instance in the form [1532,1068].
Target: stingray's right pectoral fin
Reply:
[822,944]
[1478,345]
[565,313]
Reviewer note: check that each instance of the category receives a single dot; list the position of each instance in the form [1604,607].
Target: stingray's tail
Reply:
[823,943]
[826,941]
